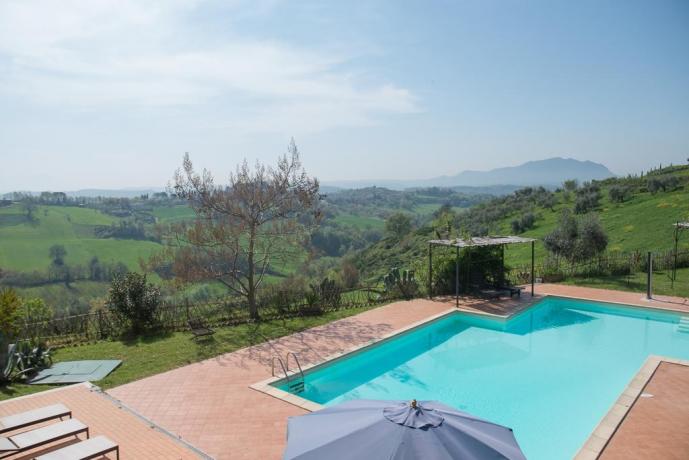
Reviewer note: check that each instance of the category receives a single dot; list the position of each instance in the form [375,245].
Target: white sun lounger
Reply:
[41,436]
[95,447]
[33,417]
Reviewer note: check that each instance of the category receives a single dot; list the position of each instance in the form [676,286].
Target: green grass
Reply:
[361,222]
[644,223]
[25,246]
[145,356]
[637,283]
[173,213]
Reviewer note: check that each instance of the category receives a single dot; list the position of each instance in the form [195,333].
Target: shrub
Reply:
[576,240]
[619,193]
[588,198]
[350,274]
[134,301]
[10,303]
[35,311]
[666,183]
[398,225]
[526,222]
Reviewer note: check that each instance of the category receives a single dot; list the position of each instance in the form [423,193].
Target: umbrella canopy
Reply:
[397,430]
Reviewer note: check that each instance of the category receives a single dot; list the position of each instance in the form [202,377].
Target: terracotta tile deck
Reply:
[658,426]
[135,437]
[210,404]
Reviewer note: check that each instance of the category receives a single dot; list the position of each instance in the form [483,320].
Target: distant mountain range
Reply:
[550,172]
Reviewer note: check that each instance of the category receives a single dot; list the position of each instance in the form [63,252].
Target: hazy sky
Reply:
[110,94]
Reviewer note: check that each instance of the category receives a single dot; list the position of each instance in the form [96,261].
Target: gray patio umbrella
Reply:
[397,430]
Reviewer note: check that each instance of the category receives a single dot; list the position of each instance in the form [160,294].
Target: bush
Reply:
[526,222]
[665,183]
[36,312]
[619,193]
[350,274]
[10,303]
[588,198]
[398,225]
[576,240]
[134,301]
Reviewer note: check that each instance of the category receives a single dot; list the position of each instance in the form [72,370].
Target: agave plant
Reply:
[12,367]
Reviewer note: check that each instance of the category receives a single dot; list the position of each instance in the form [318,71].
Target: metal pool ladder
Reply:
[295,382]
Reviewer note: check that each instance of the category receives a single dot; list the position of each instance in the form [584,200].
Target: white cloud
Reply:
[128,54]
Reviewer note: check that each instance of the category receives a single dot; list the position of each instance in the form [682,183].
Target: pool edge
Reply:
[608,425]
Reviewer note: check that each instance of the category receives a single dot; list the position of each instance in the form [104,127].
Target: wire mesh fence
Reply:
[105,324]
[615,270]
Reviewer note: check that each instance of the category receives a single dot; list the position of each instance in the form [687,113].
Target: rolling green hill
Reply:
[644,222]
[24,245]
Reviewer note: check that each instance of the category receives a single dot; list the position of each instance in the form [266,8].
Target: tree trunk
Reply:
[251,294]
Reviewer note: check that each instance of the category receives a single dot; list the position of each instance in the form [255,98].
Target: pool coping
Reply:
[601,434]
[266,386]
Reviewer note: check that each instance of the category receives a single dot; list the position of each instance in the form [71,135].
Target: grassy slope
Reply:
[151,355]
[643,223]
[25,246]
[361,222]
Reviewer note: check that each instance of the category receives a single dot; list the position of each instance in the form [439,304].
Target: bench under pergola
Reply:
[477,241]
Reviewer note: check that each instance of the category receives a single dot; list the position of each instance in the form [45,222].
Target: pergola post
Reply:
[469,243]
[430,271]
[533,259]
[502,265]
[457,279]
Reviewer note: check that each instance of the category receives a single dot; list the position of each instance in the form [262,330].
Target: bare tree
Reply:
[260,217]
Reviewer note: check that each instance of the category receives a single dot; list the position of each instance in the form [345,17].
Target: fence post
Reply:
[430,271]
[100,324]
[649,276]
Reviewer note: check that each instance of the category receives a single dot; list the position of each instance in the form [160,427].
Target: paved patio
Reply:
[210,404]
[136,438]
[657,425]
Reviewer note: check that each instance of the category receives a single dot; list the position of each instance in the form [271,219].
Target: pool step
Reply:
[296,386]
[683,325]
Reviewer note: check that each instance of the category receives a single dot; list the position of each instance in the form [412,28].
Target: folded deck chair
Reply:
[33,417]
[95,447]
[41,436]
[199,328]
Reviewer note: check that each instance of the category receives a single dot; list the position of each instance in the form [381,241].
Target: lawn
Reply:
[145,356]
[637,283]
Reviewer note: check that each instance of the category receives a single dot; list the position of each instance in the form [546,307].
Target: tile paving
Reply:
[136,438]
[210,404]
[657,426]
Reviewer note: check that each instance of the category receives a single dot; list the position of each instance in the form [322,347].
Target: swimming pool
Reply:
[550,373]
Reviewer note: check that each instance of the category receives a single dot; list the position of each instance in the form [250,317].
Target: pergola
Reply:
[472,242]
[679,227]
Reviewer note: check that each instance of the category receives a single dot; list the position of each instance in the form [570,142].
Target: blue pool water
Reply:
[550,373]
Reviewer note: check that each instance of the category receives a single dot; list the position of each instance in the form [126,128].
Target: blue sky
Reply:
[110,94]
